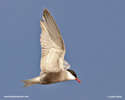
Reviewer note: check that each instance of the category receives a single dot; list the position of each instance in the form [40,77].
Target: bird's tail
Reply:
[31,81]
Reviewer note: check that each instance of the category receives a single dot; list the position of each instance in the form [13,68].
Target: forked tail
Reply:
[31,81]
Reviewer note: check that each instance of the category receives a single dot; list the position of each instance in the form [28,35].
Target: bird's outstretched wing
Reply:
[53,48]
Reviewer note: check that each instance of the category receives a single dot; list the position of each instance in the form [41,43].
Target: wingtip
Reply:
[45,13]
[45,10]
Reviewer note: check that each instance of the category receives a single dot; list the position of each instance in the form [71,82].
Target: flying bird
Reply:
[54,68]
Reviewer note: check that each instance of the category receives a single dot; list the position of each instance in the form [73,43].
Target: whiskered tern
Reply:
[54,68]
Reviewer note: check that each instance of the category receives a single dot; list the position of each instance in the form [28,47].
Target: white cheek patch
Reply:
[70,76]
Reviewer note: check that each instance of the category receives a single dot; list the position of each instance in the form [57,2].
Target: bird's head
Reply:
[72,75]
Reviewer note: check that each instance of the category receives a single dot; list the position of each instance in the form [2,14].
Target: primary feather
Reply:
[53,48]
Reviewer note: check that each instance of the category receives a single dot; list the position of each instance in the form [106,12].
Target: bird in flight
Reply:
[54,68]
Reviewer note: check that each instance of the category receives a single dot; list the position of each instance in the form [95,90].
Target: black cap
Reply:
[72,72]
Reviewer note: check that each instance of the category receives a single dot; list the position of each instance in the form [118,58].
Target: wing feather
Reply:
[66,65]
[53,48]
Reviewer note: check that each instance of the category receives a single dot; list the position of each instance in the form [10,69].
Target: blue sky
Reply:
[94,36]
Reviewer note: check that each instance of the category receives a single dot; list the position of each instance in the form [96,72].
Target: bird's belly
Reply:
[53,78]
